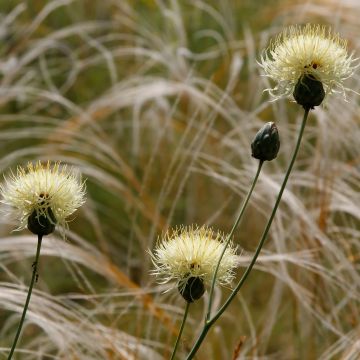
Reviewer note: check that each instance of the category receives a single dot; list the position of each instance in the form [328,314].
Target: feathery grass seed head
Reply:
[191,252]
[310,51]
[42,196]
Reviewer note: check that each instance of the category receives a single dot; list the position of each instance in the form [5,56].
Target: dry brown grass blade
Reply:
[146,299]
[74,123]
[238,347]
[148,209]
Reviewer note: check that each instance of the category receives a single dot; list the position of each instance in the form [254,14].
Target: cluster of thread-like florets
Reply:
[311,50]
[193,252]
[50,191]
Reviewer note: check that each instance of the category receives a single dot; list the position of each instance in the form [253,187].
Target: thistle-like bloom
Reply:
[43,194]
[189,254]
[307,52]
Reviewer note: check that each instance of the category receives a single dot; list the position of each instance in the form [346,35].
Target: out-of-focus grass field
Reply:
[156,103]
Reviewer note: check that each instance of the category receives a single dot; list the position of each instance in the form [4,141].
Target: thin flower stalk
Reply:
[40,197]
[181,330]
[241,213]
[211,321]
[34,276]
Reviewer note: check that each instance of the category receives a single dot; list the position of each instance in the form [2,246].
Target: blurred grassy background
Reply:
[156,103]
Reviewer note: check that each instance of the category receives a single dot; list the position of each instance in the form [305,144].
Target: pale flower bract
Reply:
[52,190]
[310,50]
[190,252]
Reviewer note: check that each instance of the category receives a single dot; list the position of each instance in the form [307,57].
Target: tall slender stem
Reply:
[210,322]
[241,213]
[181,330]
[33,278]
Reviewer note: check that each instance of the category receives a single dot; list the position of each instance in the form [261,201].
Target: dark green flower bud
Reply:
[42,224]
[266,143]
[192,289]
[309,92]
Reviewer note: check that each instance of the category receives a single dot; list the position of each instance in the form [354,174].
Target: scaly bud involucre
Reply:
[266,143]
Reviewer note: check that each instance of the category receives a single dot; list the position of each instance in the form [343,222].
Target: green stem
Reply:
[208,314]
[181,330]
[210,322]
[33,279]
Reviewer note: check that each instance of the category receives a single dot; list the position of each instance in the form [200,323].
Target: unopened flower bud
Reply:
[192,289]
[266,143]
[309,92]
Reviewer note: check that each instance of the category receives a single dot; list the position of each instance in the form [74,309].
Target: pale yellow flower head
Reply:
[49,190]
[312,50]
[192,252]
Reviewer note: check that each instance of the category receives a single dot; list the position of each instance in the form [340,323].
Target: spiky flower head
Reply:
[42,193]
[307,52]
[189,253]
